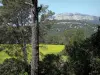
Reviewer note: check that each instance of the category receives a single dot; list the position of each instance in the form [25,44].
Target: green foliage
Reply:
[95,64]
[48,65]
[10,8]
[3,56]
[13,26]
[45,22]
[13,50]
[84,56]
[12,67]
[17,27]
[79,58]
[53,65]
[73,35]
[25,73]
[13,35]
[68,28]
[67,37]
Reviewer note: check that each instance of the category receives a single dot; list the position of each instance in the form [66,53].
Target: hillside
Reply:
[68,21]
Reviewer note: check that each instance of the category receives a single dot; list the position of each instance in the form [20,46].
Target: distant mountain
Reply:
[77,17]
[68,22]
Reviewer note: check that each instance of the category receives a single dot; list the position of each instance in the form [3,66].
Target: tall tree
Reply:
[46,22]
[18,21]
[35,39]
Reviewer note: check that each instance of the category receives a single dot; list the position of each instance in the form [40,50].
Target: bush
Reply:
[13,67]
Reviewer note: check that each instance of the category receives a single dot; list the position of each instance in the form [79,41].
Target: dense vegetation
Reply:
[14,51]
[62,28]
[83,59]
[79,53]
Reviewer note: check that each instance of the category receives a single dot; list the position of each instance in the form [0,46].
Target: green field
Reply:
[49,49]
[44,49]
[3,56]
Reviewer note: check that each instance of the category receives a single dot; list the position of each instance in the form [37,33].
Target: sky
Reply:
[90,7]
[0,4]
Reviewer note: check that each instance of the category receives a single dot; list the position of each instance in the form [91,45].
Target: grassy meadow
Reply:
[44,50]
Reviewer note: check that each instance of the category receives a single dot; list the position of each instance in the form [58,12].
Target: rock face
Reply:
[75,16]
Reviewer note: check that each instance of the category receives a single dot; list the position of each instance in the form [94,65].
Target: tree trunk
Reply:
[24,52]
[35,39]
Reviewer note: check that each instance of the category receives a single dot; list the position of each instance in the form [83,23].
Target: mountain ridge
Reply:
[76,16]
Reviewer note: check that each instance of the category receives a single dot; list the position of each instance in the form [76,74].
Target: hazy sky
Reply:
[91,7]
[0,4]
